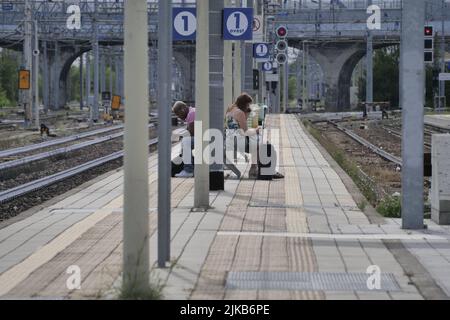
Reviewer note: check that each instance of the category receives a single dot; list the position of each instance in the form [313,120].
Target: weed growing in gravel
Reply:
[390,207]
[362,205]
[153,291]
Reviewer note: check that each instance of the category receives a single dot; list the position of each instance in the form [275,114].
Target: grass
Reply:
[154,291]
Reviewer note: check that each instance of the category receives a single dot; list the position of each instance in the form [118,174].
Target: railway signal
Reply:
[429,44]
[281,32]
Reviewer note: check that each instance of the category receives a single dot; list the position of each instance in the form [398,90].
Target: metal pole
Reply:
[216,87]
[304,103]
[369,70]
[413,71]
[237,76]
[46,79]
[286,86]
[227,70]
[81,81]
[201,171]
[36,76]
[88,79]
[442,83]
[102,73]
[117,75]
[136,215]
[110,59]
[96,67]
[28,64]
[56,75]
[164,128]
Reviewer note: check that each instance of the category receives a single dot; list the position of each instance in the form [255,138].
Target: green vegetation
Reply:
[385,76]
[154,292]
[9,65]
[390,207]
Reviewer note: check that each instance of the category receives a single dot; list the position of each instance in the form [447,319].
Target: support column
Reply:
[442,60]
[201,172]
[237,71]
[27,95]
[135,219]
[227,70]
[95,112]
[369,71]
[46,78]
[286,87]
[88,78]
[81,82]
[216,88]
[117,74]
[110,60]
[413,72]
[36,77]
[102,73]
[164,131]
[56,75]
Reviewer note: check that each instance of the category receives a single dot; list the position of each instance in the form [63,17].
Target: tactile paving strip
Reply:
[305,281]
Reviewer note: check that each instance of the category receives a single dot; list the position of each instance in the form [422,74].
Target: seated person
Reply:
[237,129]
[186,114]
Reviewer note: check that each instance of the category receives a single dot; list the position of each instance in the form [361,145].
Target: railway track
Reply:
[398,134]
[32,147]
[64,150]
[19,191]
[367,144]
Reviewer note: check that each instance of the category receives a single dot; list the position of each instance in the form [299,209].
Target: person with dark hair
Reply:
[186,114]
[237,129]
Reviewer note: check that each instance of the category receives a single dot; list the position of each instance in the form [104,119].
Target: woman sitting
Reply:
[247,138]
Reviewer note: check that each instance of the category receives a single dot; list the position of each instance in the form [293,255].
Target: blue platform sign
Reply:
[238,24]
[184,24]
[261,51]
[267,66]
[7,7]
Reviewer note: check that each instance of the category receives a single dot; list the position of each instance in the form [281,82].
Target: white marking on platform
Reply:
[335,236]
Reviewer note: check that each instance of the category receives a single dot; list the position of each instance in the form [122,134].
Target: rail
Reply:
[369,145]
[32,186]
[52,153]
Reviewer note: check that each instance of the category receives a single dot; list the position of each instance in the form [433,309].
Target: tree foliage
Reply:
[9,67]
[385,77]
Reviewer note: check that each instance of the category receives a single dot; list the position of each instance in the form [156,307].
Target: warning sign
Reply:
[258,28]
[115,103]
[24,79]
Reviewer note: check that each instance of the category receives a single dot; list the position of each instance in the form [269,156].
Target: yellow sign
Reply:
[115,104]
[24,79]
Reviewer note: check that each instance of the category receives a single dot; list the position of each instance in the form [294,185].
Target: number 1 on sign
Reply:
[186,23]
[237,16]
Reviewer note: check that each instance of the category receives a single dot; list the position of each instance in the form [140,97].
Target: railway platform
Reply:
[303,237]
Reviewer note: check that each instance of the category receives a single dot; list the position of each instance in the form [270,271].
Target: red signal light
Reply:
[428,31]
[281,32]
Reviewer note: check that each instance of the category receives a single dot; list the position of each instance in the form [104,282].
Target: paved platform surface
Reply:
[303,237]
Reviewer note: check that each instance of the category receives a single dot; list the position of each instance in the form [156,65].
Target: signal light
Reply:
[281,32]
[429,44]
[428,31]
[281,58]
[282,45]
